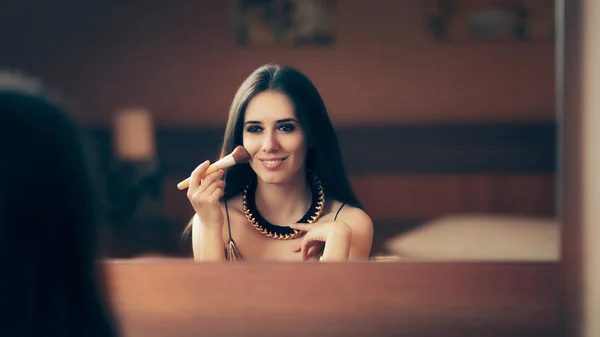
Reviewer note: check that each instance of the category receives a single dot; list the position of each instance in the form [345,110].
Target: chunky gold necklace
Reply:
[279,232]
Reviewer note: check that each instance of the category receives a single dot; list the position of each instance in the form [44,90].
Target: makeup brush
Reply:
[238,156]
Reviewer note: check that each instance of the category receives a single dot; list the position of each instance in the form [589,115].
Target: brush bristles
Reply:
[240,155]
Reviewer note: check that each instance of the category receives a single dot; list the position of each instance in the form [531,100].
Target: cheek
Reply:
[295,144]
[251,144]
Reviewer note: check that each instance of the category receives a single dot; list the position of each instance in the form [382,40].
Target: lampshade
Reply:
[133,131]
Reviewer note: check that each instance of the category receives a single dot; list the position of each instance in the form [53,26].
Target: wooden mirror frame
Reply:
[180,298]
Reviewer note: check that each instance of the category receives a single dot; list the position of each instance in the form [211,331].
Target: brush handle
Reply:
[220,164]
[186,183]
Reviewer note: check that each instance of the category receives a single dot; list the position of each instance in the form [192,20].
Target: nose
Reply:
[270,143]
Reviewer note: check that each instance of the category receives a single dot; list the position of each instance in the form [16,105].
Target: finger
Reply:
[196,175]
[312,250]
[299,247]
[307,251]
[209,187]
[305,245]
[217,194]
[303,252]
[207,183]
[301,227]
[315,249]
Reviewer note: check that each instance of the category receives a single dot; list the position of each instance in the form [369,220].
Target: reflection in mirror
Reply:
[446,125]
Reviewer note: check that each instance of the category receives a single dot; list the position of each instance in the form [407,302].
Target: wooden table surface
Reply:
[182,298]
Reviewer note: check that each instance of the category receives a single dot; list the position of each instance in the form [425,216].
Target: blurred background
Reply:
[445,110]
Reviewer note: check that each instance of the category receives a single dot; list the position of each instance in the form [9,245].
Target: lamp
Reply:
[134,181]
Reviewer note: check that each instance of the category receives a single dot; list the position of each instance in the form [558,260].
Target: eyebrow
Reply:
[285,120]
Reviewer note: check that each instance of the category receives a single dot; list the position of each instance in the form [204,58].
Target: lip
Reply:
[269,159]
[272,163]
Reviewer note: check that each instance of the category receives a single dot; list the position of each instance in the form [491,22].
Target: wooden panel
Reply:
[176,204]
[444,148]
[396,196]
[579,80]
[451,148]
[425,196]
[358,299]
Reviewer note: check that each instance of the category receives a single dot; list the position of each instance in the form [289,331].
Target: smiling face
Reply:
[274,138]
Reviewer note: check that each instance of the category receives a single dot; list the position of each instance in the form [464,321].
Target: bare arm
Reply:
[337,247]
[349,238]
[361,227]
[207,242]
[207,224]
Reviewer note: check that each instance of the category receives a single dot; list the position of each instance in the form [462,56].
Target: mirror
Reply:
[446,123]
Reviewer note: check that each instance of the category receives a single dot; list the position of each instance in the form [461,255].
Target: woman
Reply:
[48,228]
[259,210]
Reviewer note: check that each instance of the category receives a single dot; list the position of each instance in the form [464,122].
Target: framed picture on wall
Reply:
[283,22]
[490,20]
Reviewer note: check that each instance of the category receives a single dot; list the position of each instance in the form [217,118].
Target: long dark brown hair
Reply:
[49,227]
[324,157]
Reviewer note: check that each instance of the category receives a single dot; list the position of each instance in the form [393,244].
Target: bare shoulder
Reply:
[357,219]
[233,204]
[361,227]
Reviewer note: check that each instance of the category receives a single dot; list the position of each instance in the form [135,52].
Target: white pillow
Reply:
[480,237]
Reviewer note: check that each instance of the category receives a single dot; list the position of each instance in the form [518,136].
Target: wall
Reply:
[180,60]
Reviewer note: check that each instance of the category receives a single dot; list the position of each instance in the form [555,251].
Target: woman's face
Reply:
[274,138]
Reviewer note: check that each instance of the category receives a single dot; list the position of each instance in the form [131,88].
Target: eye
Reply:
[253,128]
[287,127]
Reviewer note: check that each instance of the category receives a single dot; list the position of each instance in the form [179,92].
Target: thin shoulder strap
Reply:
[228,224]
[338,212]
